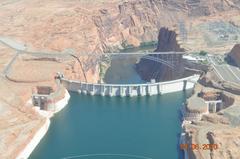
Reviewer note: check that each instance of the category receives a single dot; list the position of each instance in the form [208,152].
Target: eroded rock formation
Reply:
[167,41]
[149,69]
[220,129]
[98,26]
[83,26]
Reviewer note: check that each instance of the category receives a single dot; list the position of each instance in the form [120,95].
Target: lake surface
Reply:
[115,128]
[95,127]
[122,69]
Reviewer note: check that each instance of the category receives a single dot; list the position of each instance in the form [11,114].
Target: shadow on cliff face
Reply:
[148,69]
[233,57]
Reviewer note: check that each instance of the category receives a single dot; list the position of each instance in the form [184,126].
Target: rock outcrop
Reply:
[225,138]
[167,41]
[98,26]
[220,129]
[84,26]
[149,69]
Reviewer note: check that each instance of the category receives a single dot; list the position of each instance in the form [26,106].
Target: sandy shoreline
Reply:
[26,152]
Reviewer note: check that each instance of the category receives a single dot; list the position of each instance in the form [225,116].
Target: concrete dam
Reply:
[172,60]
[131,89]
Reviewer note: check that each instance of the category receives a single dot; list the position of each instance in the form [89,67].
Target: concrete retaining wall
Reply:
[55,107]
[131,89]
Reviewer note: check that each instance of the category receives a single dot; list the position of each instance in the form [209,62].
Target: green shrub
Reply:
[203,53]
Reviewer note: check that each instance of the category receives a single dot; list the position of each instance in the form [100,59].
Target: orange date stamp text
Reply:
[199,146]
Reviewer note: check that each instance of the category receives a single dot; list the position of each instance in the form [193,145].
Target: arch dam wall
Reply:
[131,89]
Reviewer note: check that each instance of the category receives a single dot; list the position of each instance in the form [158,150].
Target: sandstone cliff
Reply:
[149,69]
[167,41]
[83,26]
[98,26]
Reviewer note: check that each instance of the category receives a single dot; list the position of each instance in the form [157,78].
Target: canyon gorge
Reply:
[96,27]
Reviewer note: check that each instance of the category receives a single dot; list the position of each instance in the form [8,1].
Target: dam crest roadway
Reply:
[130,89]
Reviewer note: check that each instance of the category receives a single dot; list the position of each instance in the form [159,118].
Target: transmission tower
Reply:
[182,30]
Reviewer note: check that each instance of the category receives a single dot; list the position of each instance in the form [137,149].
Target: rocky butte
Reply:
[167,41]
[78,26]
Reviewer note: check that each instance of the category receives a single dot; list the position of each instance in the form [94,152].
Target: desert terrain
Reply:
[96,27]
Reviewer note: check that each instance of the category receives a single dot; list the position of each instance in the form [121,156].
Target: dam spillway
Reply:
[131,89]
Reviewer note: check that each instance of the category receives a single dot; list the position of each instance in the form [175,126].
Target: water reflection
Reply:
[122,69]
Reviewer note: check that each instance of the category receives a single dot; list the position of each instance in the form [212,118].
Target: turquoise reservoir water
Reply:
[115,128]
[122,69]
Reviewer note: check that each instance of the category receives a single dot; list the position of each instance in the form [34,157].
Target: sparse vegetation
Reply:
[150,43]
[125,45]
[203,53]
[205,62]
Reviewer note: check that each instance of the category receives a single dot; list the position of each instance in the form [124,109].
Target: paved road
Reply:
[12,44]
[224,71]
[228,73]
[8,67]
[47,54]
[235,70]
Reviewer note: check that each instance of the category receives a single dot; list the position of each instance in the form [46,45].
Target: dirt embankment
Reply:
[221,129]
